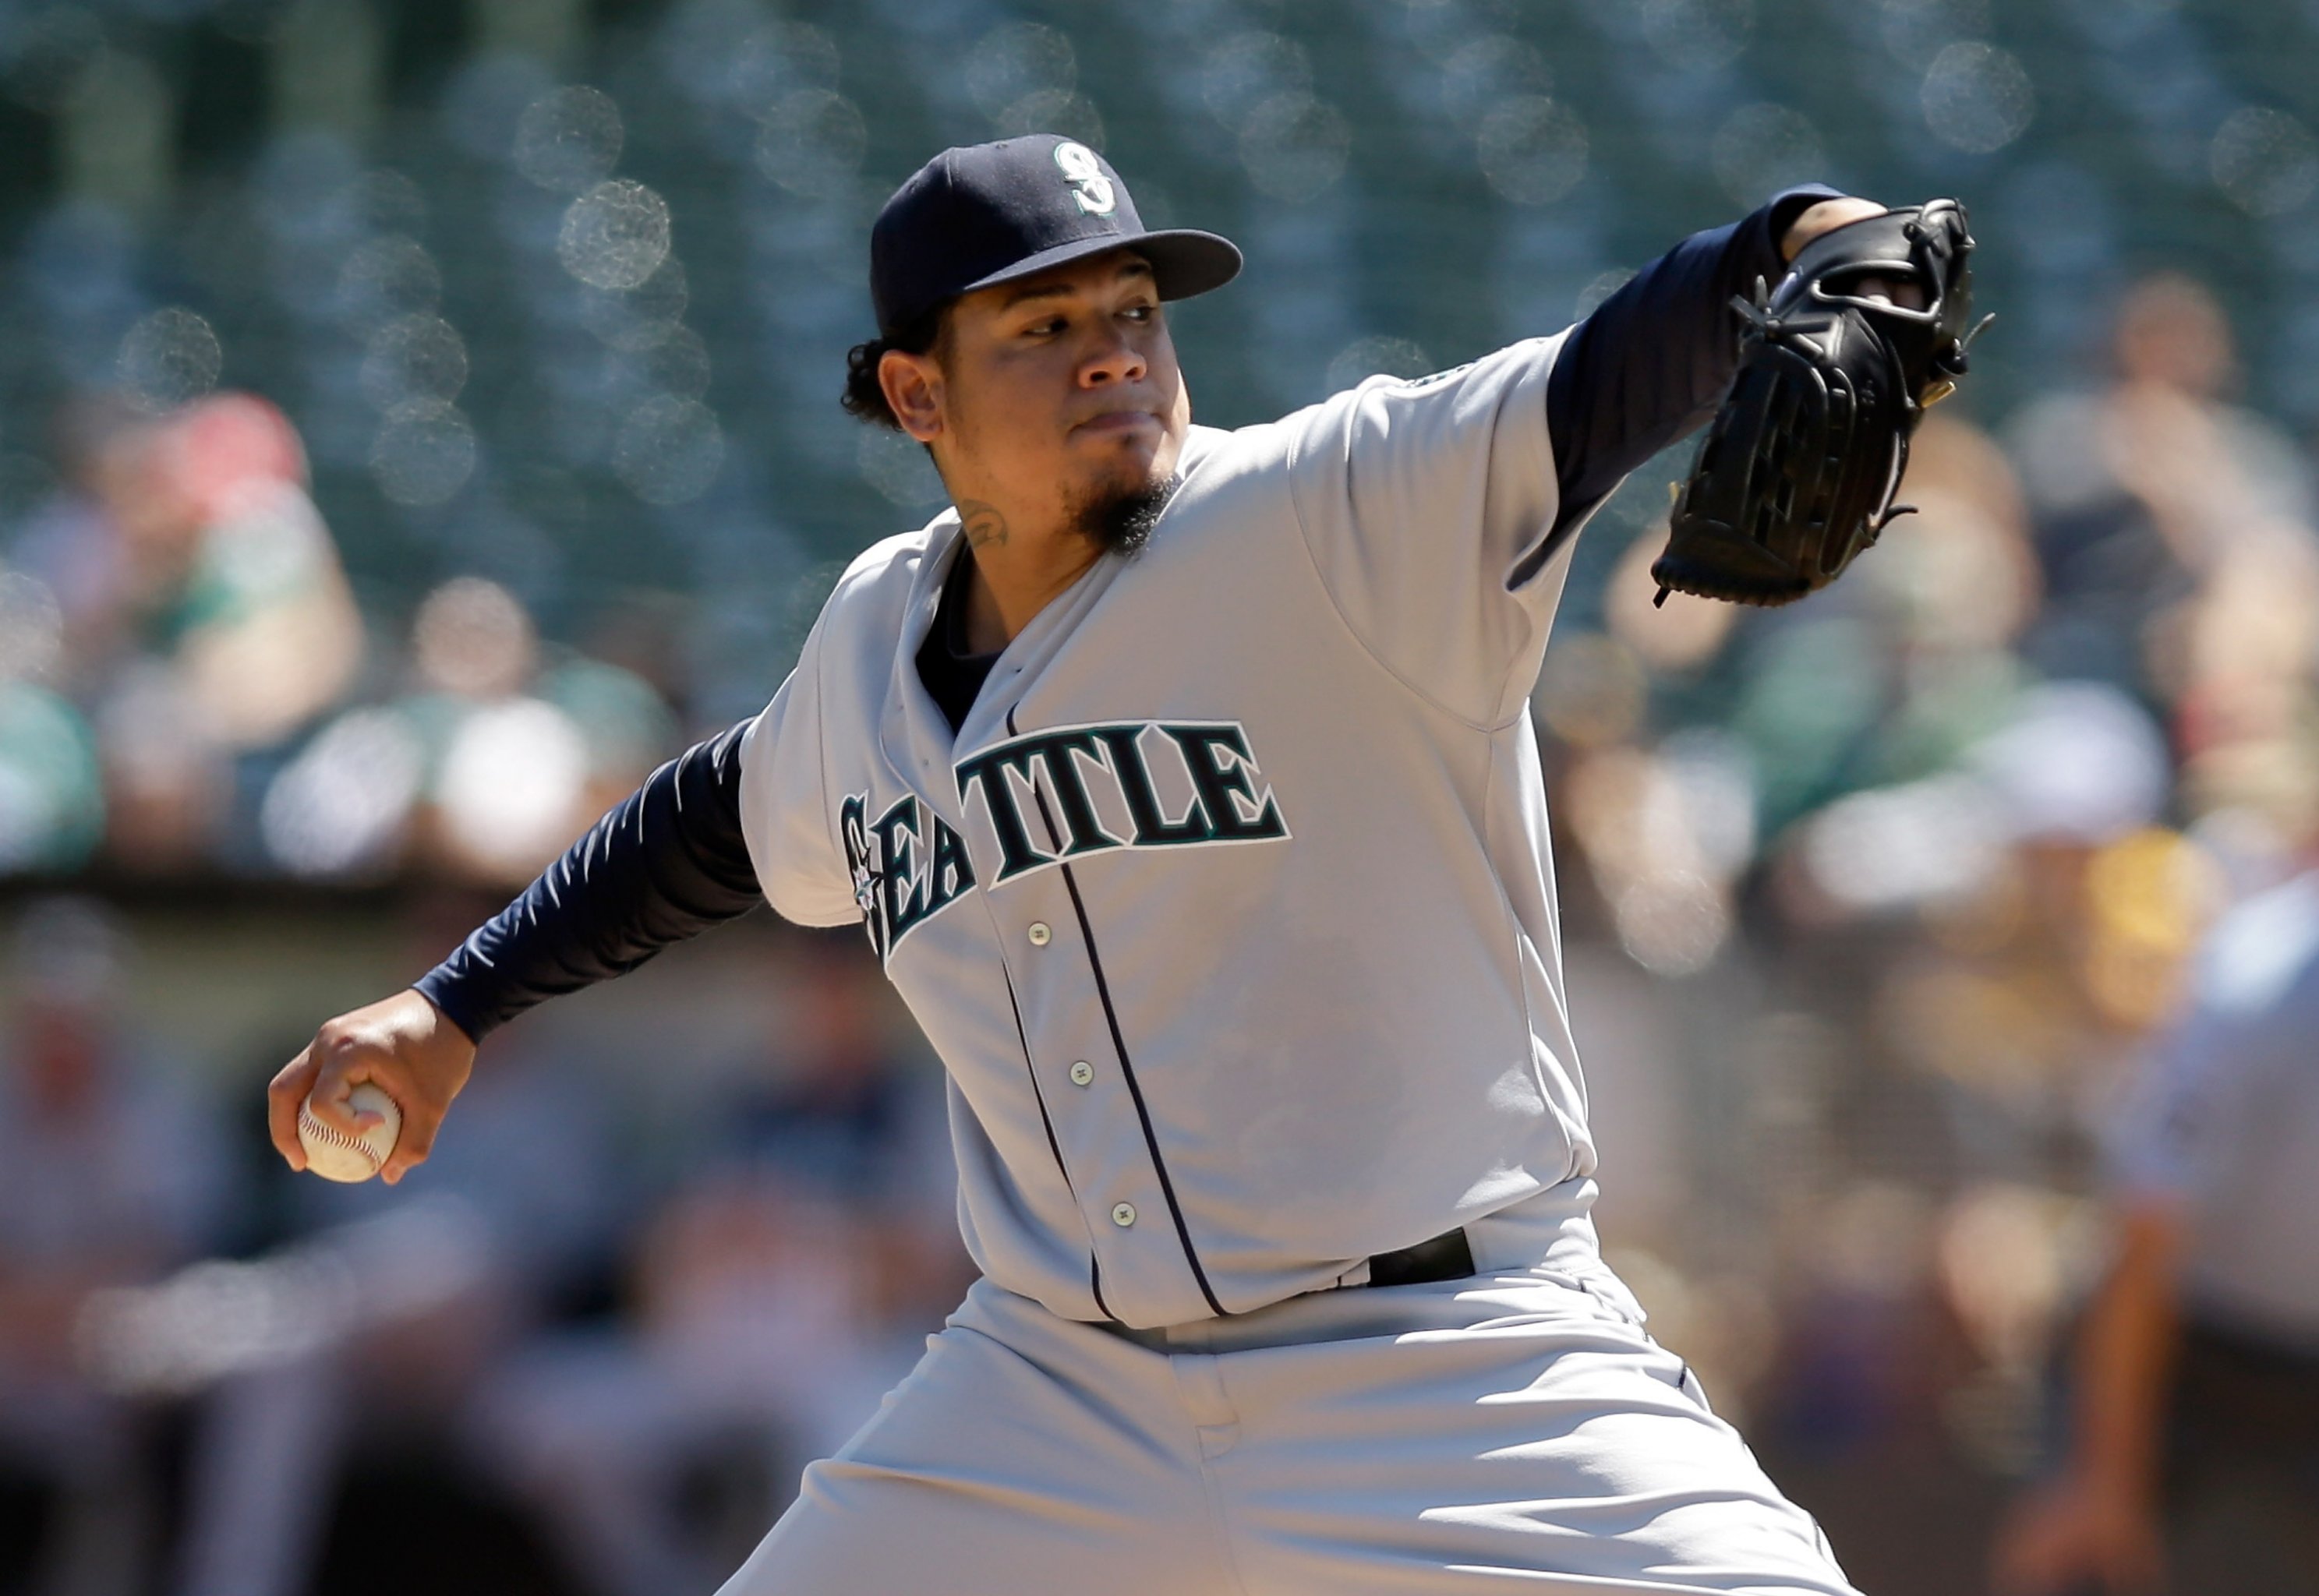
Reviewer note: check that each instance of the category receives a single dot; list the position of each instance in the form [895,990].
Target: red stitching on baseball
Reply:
[338,1137]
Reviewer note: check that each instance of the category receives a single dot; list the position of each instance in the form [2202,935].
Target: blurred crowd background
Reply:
[418,419]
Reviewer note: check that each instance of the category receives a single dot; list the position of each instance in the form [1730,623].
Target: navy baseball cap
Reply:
[988,213]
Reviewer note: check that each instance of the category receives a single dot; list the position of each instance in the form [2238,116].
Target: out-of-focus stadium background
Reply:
[418,418]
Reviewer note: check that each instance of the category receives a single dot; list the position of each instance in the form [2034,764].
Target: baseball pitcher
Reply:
[1183,783]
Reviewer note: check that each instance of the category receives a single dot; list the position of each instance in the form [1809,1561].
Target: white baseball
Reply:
[334,1155]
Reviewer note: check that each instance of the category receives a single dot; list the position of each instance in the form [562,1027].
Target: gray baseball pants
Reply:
[1517,1428]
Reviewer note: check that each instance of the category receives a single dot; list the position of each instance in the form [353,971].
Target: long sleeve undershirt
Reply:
[1648,366]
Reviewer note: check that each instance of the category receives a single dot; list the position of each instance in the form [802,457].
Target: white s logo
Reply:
[1090,189]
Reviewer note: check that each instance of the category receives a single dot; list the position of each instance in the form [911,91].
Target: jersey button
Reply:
[1122,1215]
[1082,1073]
[1039,933]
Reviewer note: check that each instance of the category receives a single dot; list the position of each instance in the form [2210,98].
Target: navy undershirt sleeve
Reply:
[665,865]
[1653,360]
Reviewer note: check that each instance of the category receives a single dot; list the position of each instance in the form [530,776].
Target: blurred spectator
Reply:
[2153,496]
[77,545]
[507,770]
[785,1282]
[855,1117]
[52,799]
[1700,741]
[1958,882]
[2193,1461]
[109,1174]
[203,611]
[486,771]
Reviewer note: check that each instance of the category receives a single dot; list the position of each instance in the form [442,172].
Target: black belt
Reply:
[1448,1256]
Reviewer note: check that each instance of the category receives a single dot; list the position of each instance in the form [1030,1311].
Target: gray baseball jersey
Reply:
[1230,907]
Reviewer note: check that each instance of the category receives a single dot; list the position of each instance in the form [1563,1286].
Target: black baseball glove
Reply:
[1796,475]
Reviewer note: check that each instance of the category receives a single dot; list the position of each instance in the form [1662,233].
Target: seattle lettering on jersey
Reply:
[1054,796]
[907,868]
[1226,801]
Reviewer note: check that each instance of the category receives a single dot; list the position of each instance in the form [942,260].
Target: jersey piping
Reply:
[1119,1049]
[1094,1264]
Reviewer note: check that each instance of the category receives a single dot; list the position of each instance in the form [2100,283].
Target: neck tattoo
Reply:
[982,523]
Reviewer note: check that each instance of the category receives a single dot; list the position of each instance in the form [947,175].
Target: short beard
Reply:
[1119,520]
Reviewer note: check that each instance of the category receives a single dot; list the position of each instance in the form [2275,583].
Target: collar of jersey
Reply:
[912,732]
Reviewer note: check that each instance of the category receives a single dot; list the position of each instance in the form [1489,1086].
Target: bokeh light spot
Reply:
[1762,148]
[386,278]
[778,61]
[615,236]
[169,357]
[568,140]
[2266,160]
[422,460]
[1016,59]
[1698,35]
[669,450]
[414,363]
[1250,69]
[812,142]
[1977,97]
[679,364]
[640,317]
[1294,147]
[1532,150]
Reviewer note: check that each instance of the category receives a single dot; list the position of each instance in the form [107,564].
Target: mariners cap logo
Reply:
[1089,187]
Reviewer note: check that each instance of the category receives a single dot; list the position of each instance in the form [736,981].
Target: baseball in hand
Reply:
[334,1155]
